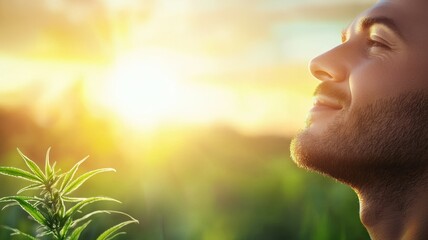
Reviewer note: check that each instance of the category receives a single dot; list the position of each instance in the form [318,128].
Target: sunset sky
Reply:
[150,62]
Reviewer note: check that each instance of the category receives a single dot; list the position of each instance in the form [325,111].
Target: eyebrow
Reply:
[368,22]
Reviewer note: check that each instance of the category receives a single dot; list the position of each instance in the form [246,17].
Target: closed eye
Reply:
[374,43]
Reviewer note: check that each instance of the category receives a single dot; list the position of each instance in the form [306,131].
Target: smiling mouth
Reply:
[323,102]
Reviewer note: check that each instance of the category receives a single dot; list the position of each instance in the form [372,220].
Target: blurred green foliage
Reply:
[186,182]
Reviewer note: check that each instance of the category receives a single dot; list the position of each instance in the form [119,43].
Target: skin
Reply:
[367,126]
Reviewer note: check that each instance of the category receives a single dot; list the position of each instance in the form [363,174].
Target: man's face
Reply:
[371,107]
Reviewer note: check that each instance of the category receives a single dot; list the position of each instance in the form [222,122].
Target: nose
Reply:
[329,66]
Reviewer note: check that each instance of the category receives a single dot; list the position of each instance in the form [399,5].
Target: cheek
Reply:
[417,77]
[370,82]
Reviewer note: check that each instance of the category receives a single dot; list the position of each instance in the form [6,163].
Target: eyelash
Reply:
[370,42]
[373,43]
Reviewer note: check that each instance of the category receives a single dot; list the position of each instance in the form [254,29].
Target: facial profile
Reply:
[371,107]
[367,127]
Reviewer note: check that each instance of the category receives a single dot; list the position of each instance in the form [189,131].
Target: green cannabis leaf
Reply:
[48,209]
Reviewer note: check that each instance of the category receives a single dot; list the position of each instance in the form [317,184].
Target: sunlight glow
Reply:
[143,89]
[120,4]
[148,89]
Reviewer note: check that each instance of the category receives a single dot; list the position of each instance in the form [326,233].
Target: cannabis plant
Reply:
[57,214]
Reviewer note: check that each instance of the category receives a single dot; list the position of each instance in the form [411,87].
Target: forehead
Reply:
[410,16]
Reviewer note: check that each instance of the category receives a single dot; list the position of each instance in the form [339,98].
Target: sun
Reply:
[144,89]
[148,89]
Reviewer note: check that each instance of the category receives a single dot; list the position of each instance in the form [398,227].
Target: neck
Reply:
[395,209]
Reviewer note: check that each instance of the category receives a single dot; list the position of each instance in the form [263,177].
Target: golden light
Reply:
[120,4]
[150,88]
[144,89]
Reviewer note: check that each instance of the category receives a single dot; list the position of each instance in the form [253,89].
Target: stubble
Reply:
[380,143]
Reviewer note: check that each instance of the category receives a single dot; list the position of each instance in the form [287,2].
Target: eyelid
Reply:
[377,38]
[384,34]
[387,41]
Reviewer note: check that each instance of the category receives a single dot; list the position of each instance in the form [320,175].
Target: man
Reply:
[368,126]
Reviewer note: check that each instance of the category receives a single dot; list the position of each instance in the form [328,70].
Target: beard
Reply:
[382,142]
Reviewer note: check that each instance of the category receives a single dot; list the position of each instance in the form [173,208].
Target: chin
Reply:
[317,150]
[302,154]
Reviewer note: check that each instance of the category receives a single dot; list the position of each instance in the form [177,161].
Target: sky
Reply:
[241,63]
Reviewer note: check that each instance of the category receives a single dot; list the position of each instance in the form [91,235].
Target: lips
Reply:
[325,102]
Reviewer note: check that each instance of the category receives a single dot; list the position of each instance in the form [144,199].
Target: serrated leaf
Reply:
[48,168]
[32,166]
[53,167]
[117,234]
[45,233]
[62,209]
[9,205]
[12,198]
[30,209]
[125,214]
[30,187]
[19,173]
[85,202]
[41,229]
[76,233]
[18,232]
[77,221]
[70,174]
[57,177]
[66,226]
[83,178]
[112,230]
[73,199]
